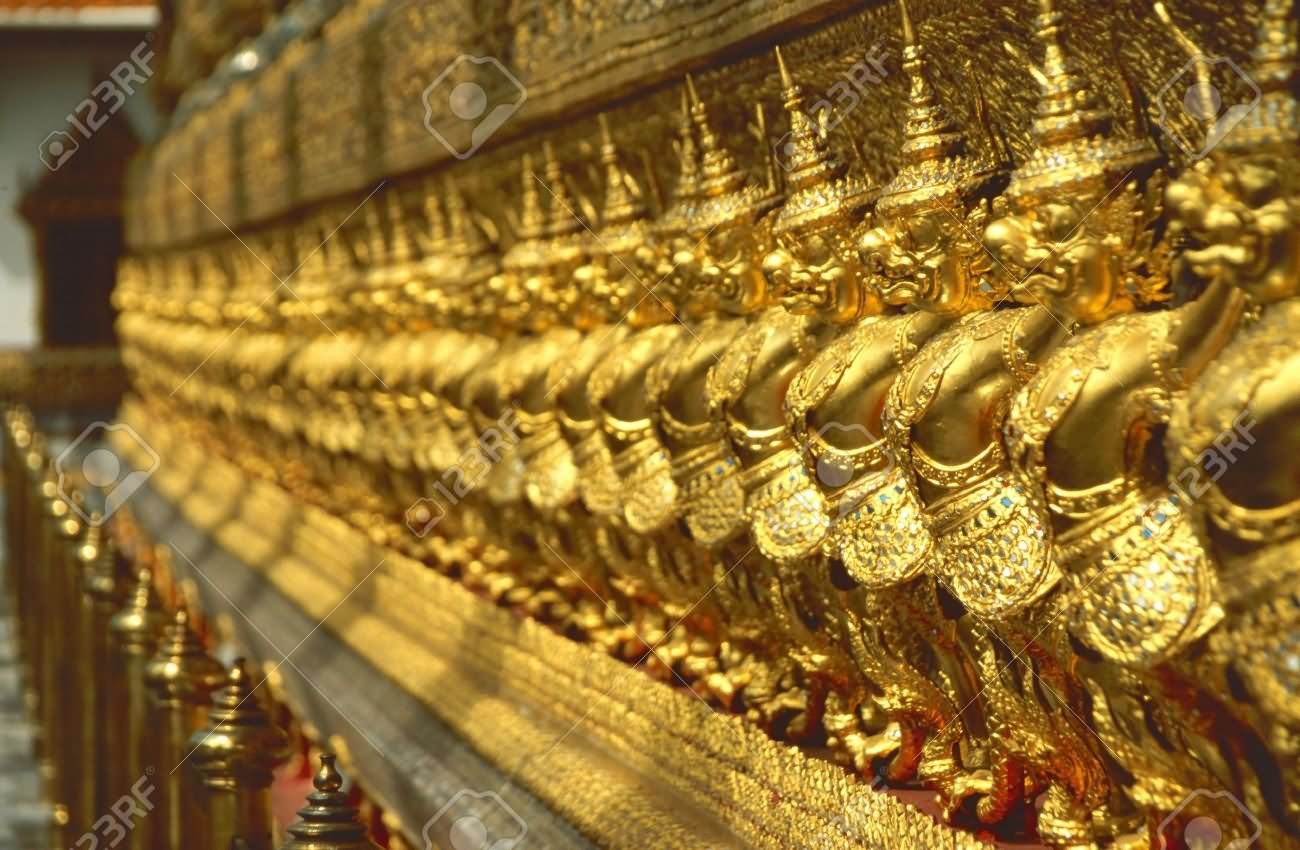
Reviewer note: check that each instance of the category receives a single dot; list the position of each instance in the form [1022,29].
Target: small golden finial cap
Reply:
[98,557]
[136,626]
[328,821]
[241,746]
[181,672]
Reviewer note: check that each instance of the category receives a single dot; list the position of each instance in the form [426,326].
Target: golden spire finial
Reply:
[1075,150]
[621,204]
[89,549]
[805,154]
[100,579]
[909,35]
[688,154]
[1068,110]
[936,166]
[400,250]
[563,218]
[136,624]
[241,746]
[721,175]
[532,221]
[328,822]
[787,81]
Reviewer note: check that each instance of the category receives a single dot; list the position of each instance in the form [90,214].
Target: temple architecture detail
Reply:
[731,424]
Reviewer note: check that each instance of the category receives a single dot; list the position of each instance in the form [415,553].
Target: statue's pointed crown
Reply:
[435,219]
[720,191]
[937,165]
[1075,147]
[563,216]
[719,173]
[819,190]
[532,218]
[400,249]
[807,157]
[464,237]
[622,206]
[688,154]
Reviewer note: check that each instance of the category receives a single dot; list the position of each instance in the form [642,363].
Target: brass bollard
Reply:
[65,696]
[135,630]
[100,597]
[26,546]
[327,822]
[181,677]
[53,614]
[235,756]
[27,519]
[18,442]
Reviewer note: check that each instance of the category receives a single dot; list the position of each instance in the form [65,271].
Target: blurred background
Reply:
[61,189]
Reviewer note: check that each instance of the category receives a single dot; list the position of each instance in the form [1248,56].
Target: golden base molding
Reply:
[615,752]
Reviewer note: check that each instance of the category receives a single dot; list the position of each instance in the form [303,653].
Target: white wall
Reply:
[43,76]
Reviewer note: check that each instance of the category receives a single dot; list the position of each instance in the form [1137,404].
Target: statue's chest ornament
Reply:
[991,547]
[1139,584]
[875,528]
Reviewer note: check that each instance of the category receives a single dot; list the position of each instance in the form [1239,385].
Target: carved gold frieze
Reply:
[945,430]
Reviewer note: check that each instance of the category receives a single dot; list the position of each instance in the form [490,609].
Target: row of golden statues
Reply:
[146,741]
[985,477]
